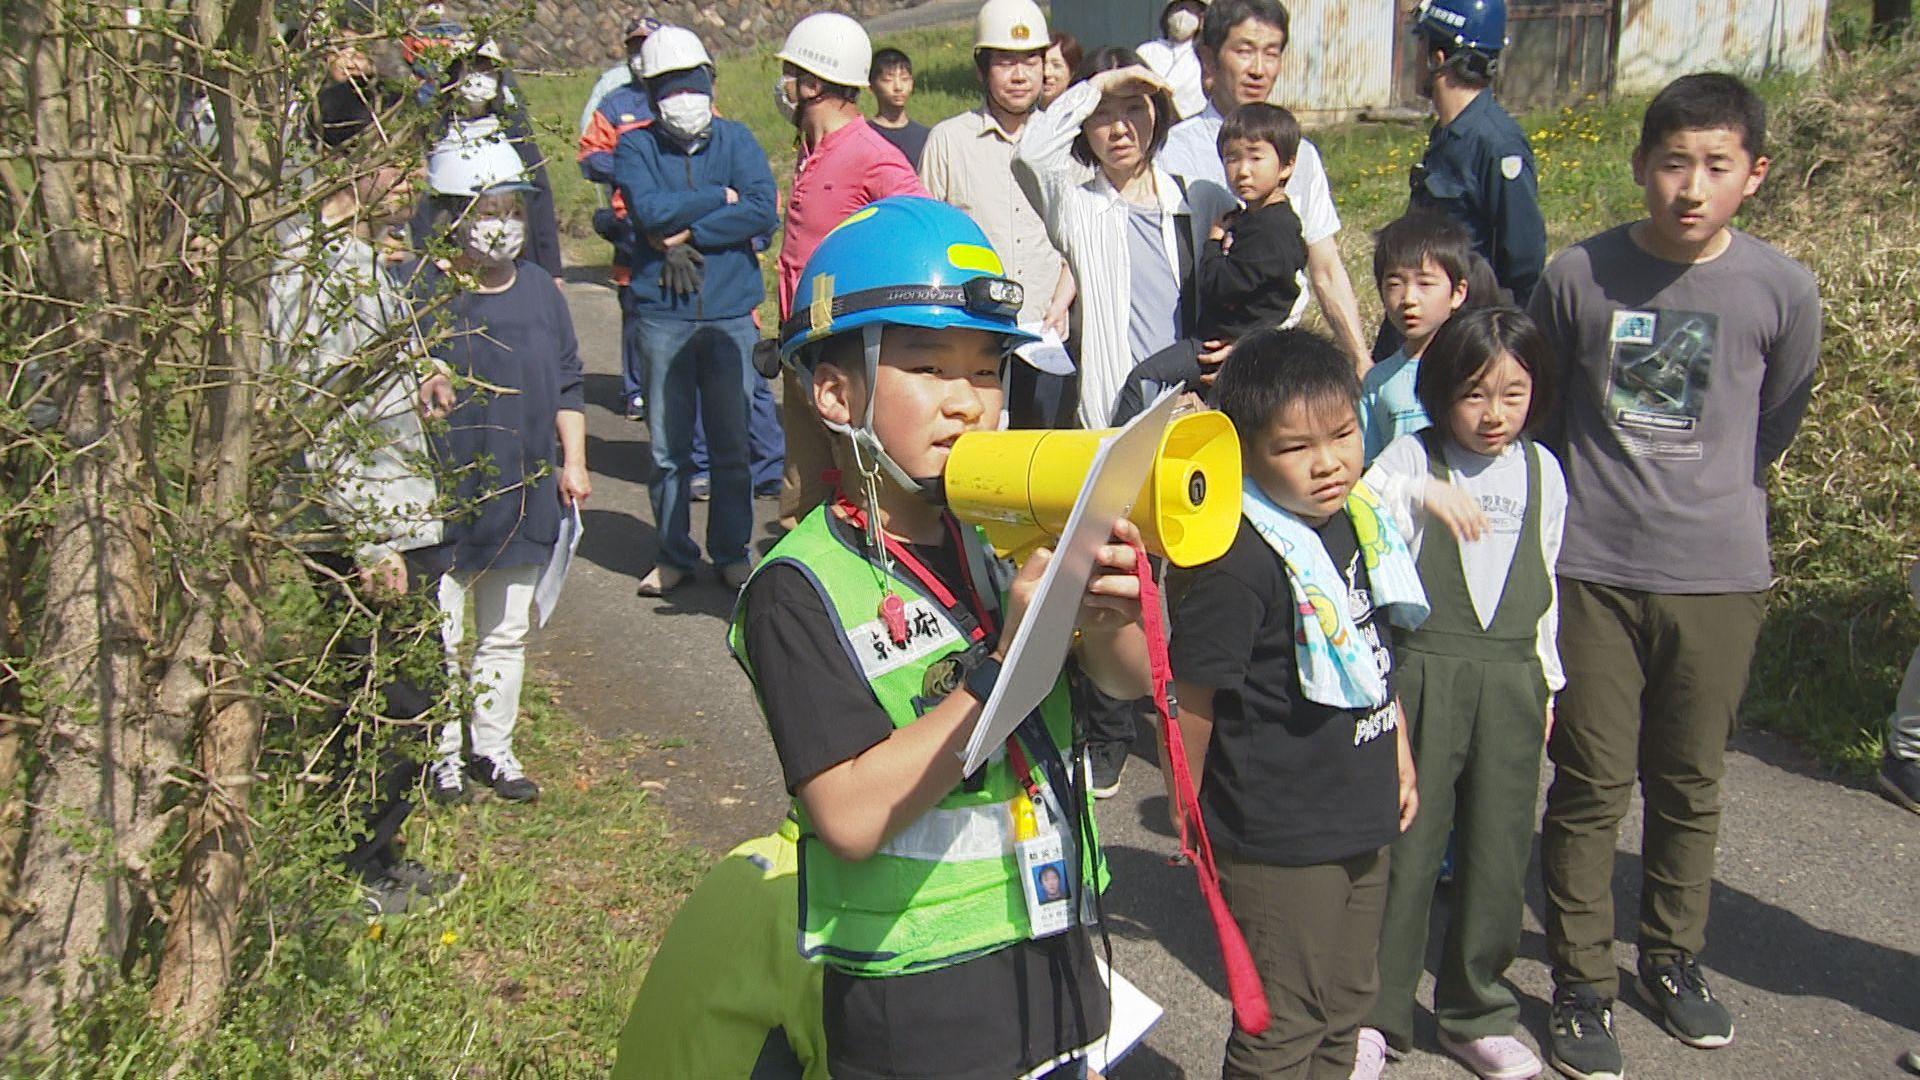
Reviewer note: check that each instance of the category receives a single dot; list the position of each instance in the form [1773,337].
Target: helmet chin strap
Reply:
[871,459]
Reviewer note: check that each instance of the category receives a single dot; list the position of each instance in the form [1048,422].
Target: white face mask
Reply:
[479,88]
[789,108]
[1182,25]
[687,114]
[497,240]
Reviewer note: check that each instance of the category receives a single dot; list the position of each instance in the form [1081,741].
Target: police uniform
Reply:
[1479,171]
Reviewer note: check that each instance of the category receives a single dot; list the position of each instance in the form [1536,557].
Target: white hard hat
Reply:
[1011,25]
[672,48]
[831,47]
[474,158]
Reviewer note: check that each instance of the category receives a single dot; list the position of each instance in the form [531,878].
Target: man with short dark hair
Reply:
[1241,42]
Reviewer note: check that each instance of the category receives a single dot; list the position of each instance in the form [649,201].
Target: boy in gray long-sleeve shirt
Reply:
[1690,351]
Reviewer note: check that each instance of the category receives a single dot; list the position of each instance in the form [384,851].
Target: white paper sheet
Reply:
[546,591]
[1133,1015]
[1039,646]
[1049,354]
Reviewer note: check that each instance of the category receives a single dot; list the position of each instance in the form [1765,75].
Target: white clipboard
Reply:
[546,591]
[1039,646]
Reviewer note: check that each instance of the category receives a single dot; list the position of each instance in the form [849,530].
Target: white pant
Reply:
[502,614]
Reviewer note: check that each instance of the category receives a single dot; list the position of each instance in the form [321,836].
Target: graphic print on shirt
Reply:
[1658,379]
[1384,719]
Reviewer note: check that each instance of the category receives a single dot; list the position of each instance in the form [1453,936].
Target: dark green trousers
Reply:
[1312,931]
[1654,682]
[1477,730]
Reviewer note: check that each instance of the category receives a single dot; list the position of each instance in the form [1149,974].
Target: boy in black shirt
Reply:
[892,85]
[1301,797]
[1249,275]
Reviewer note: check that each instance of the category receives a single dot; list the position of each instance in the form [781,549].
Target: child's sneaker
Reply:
[1900,780]
[503,775]
[1370,1055]
[1674,986]
[1583,1045]
[1493,1057]
[449,782]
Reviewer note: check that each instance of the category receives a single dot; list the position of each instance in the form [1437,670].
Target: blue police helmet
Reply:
[1477,25]
[903,261]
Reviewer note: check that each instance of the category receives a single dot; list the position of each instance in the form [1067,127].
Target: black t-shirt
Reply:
[1039,998]
[1287,781]
[910,140]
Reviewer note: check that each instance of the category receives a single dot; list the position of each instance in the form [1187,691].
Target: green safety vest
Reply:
[946,888]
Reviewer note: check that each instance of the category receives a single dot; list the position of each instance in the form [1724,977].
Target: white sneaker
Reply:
[1370,1059]
[1494,1057]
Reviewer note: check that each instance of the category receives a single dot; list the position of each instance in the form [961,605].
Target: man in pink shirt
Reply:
[844,165]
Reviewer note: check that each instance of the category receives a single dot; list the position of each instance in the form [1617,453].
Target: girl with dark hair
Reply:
[1132,234]
[1483,507]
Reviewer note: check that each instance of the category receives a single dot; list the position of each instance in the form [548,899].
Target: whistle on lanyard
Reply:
[1042,863]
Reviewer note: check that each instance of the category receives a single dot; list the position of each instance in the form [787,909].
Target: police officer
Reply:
[1478,168]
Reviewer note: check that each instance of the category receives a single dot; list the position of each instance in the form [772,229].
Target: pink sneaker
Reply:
[1494,1057]
[1370,1060]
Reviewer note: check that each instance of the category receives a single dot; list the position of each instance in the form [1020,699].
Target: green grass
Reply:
[528,971]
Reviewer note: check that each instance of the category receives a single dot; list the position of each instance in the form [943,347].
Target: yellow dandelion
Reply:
[448,937]
[375,931]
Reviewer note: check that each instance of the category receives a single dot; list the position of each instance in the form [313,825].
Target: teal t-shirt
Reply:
[1388,408]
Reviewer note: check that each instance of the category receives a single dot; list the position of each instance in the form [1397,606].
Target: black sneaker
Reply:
[1582,1044]
[449,784]
[637,410]
[1108,760]
[503,775]
[1900,781]
[427,882]
[700,488]
[1674,986]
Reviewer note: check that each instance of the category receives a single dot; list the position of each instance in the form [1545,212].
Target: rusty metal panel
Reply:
[1339,58]
[1661,40]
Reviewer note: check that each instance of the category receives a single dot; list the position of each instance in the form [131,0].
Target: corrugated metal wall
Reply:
[1661,40]
[1339,58]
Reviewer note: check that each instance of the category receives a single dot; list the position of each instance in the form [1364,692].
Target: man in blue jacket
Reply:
[699,190]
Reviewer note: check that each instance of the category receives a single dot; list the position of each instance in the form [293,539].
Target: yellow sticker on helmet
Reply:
[820,309]
[853,219]
[974,257]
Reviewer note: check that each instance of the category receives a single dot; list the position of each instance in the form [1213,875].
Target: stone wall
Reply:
[586,33]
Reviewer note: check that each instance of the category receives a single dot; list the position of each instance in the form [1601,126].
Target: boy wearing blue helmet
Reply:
[874,633]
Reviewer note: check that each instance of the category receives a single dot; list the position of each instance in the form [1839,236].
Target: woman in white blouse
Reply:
[1132,234]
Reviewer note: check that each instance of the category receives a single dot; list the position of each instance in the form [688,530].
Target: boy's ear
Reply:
[1639,166]
[833,394]
[1459,295]
[1755,175]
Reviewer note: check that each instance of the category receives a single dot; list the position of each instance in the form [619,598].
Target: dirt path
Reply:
[1816,931]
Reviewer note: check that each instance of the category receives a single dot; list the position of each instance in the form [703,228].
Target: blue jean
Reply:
[633,358]
[766,442]
[700,368]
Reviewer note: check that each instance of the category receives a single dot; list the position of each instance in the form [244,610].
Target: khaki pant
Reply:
[1654,683]
[809,453]
[1313,932]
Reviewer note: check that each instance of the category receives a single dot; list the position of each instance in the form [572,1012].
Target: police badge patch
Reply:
[1510,166]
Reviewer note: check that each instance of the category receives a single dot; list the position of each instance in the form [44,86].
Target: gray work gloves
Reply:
[683,269]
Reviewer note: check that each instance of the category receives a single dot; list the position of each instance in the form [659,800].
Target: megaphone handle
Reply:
[1251,1012]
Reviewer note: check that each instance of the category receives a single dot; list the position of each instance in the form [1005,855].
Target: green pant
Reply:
[1313,931]
[1477,728]
[1654,683]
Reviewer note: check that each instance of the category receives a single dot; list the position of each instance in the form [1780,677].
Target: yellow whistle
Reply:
[1025,825]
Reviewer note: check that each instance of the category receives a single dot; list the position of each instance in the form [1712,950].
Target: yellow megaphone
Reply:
[1020,486]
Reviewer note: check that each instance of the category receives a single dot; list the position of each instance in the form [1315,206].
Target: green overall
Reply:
[1476,702]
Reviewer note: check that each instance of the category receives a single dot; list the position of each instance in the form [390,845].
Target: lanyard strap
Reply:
[983,624]
[1250,1010]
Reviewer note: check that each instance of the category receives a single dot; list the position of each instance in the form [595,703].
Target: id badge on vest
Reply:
[1046,881]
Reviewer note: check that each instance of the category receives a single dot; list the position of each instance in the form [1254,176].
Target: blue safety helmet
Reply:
[1478,26]
[903,261]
